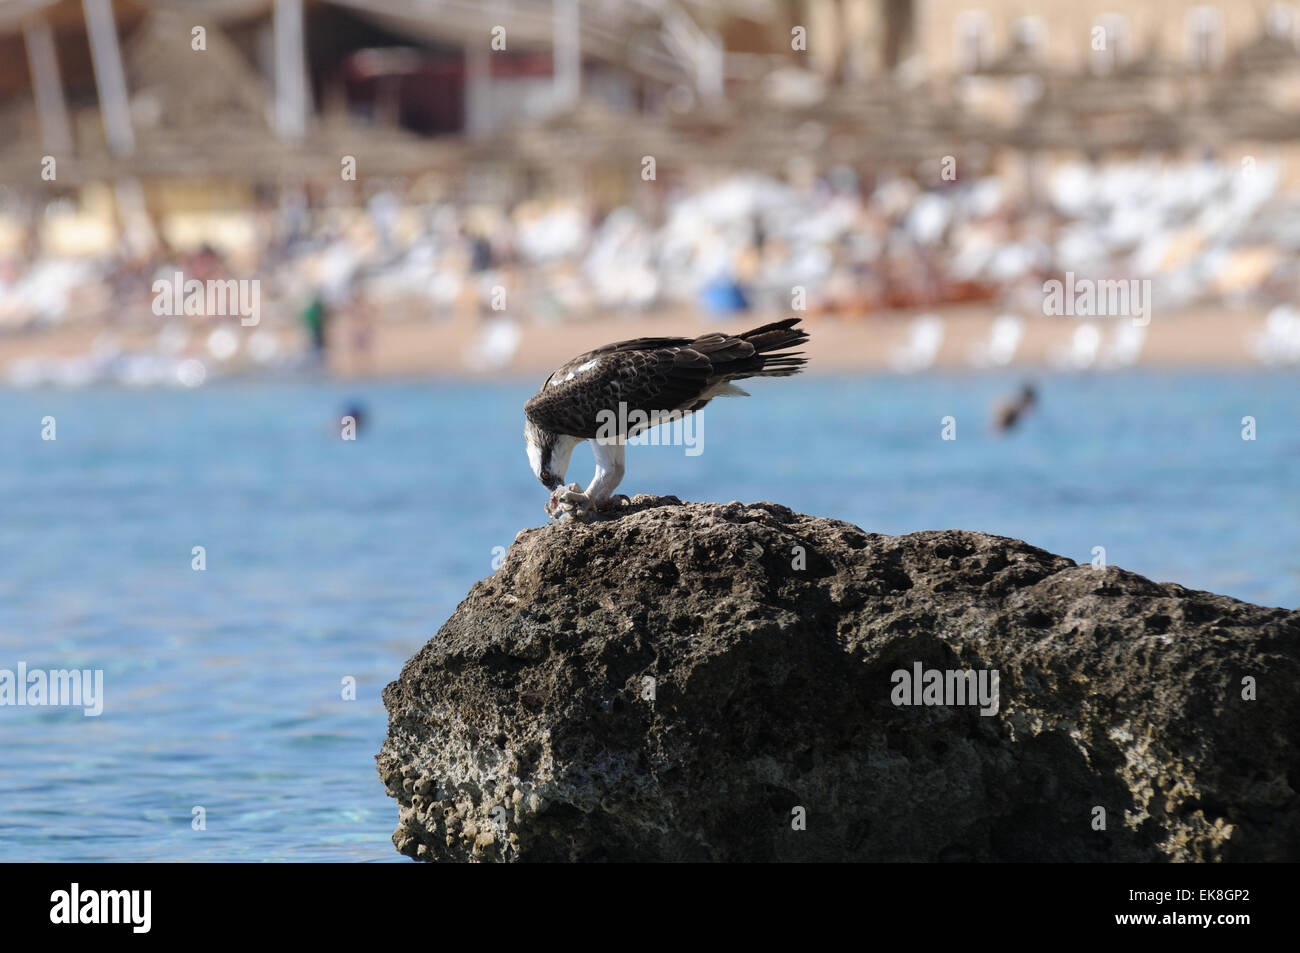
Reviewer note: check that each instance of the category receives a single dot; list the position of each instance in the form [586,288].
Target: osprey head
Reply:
[548,454]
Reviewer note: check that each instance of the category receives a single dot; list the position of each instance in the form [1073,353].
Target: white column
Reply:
[43,61]
[710,67]
[290,71]
[566,54]
[110,81]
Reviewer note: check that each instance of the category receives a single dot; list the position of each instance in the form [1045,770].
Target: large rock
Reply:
[688,681]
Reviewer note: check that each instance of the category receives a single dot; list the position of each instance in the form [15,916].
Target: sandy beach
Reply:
[1198,339]
[465,346]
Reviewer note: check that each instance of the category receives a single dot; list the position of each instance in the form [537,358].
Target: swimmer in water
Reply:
[1009,412]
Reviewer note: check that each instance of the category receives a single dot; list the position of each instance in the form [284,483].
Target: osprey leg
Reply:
[609,470]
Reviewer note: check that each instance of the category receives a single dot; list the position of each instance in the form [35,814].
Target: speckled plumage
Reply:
[659,375]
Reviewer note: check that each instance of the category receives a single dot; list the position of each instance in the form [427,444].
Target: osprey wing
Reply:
[650,375]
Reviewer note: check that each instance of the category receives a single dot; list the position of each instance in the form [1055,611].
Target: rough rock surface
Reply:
[669,684]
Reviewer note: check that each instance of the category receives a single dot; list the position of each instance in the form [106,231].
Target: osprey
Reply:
[619,390]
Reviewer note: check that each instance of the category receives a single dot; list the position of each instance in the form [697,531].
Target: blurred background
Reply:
[415,209]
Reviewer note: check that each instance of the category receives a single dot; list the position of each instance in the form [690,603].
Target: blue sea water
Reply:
[329,559]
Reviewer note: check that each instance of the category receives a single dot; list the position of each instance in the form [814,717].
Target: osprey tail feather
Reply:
[769,357]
